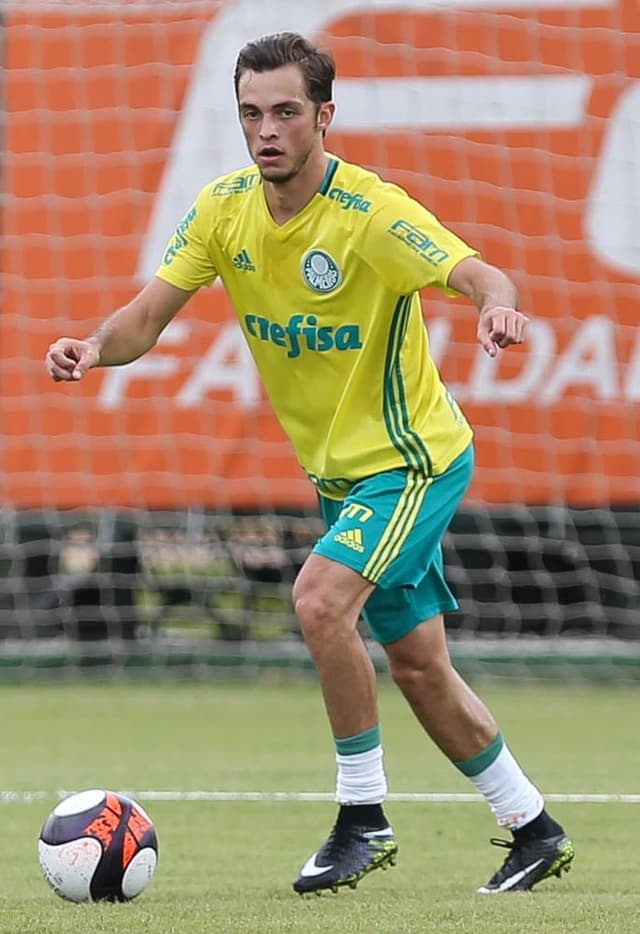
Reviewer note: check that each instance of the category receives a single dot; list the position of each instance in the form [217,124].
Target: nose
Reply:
[268,127]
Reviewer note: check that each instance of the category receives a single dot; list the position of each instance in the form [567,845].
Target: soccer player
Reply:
[323,262]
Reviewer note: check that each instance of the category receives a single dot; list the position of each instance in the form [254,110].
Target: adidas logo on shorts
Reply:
[352,538]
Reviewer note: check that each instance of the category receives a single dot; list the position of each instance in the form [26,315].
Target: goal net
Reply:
[154,514]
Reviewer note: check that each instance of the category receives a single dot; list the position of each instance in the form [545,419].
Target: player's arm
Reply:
[410,250]
[124,336]
[500,324]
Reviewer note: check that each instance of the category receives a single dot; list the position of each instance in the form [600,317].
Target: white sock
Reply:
[361,778]
[512,797]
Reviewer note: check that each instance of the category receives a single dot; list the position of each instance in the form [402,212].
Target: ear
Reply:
[325,115]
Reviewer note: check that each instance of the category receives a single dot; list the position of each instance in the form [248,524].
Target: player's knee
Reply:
[317,613]
[421,676]
[311,608]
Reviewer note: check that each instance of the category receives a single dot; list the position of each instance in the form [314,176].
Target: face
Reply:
[281,126]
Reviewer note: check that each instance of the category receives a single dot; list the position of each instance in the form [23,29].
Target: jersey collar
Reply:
[332,168]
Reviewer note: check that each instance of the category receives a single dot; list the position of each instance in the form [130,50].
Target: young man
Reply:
[323,263]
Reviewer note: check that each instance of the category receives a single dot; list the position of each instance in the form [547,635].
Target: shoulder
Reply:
[358,190]
[226,190]
[354,176]
[233,184]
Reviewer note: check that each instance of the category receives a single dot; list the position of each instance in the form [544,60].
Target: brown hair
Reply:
[289,48]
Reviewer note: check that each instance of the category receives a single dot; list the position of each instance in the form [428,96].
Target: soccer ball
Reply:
[98,845]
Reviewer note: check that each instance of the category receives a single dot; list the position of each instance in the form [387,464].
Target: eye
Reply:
[250,114]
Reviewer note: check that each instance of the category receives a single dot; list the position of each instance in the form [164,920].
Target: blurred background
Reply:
[153,518]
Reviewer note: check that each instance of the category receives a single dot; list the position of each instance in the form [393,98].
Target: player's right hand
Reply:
[69,359]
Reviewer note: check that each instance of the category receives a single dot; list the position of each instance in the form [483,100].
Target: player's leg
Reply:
[412,589]
[464,729]
[365,546]
[452,714]
[328,598]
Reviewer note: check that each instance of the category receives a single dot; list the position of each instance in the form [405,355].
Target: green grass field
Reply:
[227,866]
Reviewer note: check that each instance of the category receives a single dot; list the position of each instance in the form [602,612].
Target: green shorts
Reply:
[389,529]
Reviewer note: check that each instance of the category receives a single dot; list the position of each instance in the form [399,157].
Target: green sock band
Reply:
[482,760]
[361,742]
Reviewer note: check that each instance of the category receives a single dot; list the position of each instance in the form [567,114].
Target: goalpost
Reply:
[154,516]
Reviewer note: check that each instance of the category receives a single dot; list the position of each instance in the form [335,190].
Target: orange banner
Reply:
[518,125]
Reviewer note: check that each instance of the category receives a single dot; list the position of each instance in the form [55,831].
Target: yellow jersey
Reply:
[329,305]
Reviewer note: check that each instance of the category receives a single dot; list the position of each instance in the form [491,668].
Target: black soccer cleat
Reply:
[529,863]
[348,855]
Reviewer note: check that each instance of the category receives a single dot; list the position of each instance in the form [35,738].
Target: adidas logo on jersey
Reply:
[352,538]
[243,261]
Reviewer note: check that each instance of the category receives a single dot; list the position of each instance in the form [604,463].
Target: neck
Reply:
[288,199]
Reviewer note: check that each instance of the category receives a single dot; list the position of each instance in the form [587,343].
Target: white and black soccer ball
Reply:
[98,845]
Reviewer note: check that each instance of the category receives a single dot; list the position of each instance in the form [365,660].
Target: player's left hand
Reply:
[499,327]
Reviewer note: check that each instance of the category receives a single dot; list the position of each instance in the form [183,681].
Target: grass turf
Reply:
[228,866]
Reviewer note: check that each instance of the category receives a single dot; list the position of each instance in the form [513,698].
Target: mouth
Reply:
[270,154]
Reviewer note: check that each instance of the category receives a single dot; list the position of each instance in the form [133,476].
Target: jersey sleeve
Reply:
[188,262]
[408,247]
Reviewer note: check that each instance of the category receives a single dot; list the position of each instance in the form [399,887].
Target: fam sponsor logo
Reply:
[179,239]
[349,201]
[236,186]
[320,271]
[419,241]
[301,332]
